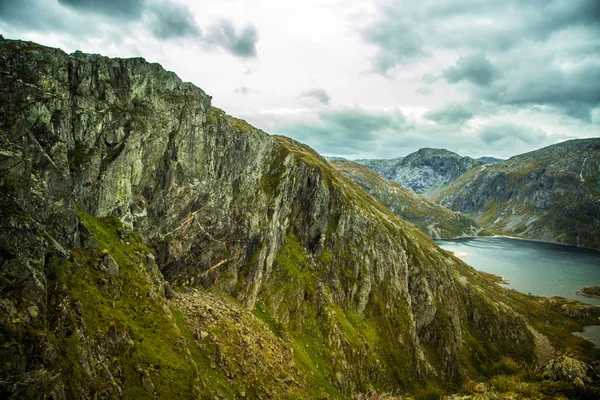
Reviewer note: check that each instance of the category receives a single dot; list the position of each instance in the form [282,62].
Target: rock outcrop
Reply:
[121,185]
[424,171]
[436,221]
[551,194]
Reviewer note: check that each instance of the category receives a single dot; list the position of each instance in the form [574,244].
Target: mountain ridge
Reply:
[424,171]
[133,207]
[550,194]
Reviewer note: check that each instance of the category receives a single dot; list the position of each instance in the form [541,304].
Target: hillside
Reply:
[424,171]
[552,194]
[152,246]
[489,160]
[436,221]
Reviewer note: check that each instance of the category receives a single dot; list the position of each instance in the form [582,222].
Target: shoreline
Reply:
[519,238]
[582,292]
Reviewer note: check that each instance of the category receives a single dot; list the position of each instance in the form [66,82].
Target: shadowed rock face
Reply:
[552,194]
[361,298]
[424,171]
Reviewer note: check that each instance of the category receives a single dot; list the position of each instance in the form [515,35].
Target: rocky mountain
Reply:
[436,221]
[152,246]
[489,160]
[552,194]
[424,171]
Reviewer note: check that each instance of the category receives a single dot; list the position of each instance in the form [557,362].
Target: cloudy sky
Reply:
[359,79]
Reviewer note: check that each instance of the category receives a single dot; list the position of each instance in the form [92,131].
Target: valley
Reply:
[153,246]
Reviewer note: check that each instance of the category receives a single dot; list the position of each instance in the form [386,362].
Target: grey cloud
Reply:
[348,131]
[314,97]
[115,20]
[166,20]
[405,32]
[35,15]
[364,134]
[169,20]
[242,44]
[399,41]
[452,114]
[574,90]
[114,8]
[424,91]
[495,133]
[475,68]
[544,52]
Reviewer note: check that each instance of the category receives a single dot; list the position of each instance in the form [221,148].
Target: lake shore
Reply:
[519,238]
[592,292]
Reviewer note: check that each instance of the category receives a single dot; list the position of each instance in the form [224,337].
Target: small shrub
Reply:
[530,373]
[431,394]
[506,366]
[471,387]
[504,383]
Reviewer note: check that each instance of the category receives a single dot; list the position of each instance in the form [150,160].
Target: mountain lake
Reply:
[543,269]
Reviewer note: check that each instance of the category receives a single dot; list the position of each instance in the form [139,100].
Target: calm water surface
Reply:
[543,269]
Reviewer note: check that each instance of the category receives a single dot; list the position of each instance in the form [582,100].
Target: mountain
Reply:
[552,194]
[424,171]
[489,160]
[152,246]
[436,221]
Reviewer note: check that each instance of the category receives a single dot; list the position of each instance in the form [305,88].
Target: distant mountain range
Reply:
[551,194]
[489,160]
[435,220]
[424,171]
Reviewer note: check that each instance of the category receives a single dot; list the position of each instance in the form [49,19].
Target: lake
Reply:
[542,269]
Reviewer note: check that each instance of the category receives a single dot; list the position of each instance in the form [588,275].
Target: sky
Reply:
[359,79]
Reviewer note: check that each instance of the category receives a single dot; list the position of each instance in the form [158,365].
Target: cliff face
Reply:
[552,194]
[436,221]
[305,271]
[424,171]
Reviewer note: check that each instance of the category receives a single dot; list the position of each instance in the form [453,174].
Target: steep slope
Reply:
[436,221]
[424,171]
[552,194]
[315,290]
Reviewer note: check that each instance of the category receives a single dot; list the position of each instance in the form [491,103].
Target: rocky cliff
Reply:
[552,194]
[151,246]
[424,171]
[436,221]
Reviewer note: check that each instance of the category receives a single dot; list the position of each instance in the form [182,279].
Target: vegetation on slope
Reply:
[298,259]
[552,194]
[436,221]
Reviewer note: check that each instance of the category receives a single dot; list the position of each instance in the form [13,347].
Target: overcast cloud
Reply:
[379,78]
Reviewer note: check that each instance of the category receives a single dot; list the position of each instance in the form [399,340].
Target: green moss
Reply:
[239,125]
[269,182]
[124,304]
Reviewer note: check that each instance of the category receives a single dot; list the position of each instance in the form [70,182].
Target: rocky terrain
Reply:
[424,171]
[152,246]
[590,291]
[552,194]
[436,221]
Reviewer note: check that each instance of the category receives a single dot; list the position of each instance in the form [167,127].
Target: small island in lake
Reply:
[589,291]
